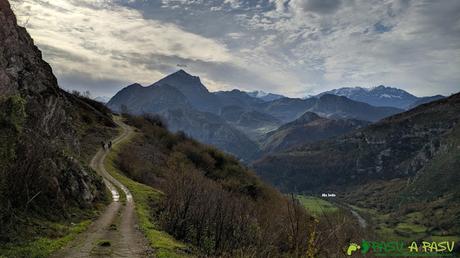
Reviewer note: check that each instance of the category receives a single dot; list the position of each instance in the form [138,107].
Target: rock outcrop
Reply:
[40,153]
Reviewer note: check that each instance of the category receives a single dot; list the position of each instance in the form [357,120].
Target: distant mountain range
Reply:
[382,96]
[424,100]
[380,157]
[403,165]
[102,99]
[237,121]
[395,147]
[186,105]
[310,127]
[265,96]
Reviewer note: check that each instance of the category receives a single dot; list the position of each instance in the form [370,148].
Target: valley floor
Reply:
[379,225]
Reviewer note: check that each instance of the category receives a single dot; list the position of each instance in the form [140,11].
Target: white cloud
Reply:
[413,45]
[233,3]
[100,39]
[285,46]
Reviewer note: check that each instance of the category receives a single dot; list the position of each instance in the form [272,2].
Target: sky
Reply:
[291,47]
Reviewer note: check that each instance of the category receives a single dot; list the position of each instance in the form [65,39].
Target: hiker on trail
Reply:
[103,145]
[110,145]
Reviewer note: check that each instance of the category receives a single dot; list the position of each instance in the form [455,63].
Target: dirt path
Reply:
[115,233]
[361,221]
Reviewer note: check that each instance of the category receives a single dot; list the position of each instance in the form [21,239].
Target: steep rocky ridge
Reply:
[46,133]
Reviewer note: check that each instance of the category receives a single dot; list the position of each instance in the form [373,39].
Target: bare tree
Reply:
[86,94]
[16,7]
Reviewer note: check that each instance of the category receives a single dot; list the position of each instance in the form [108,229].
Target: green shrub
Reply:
[12,119]
[211,200]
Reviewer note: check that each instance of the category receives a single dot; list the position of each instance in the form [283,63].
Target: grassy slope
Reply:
[43,247]
[164,244]
[55,236]
[317,206]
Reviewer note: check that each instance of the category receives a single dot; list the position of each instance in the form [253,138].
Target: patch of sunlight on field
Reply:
[317,206]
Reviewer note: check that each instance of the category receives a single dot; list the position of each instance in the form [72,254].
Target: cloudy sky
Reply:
[292,47]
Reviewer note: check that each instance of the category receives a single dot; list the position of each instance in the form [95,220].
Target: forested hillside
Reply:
[402,171]
[210,200]
[395,147]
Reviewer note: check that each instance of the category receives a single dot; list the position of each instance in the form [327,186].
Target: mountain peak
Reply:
[192,88]
[182,72]
[380,96]
[132,87]
[388,88]
[135,85]
[181,79]
[183,75]
[266,96]
[329,96]
[308,117]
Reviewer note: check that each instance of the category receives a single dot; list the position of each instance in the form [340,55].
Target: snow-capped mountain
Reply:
[264,95]
[102,99]
[377,96]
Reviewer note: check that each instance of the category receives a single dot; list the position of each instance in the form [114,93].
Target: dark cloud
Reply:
[234,76]
[194,16]
[320,6]
[442,17]
[380,27]
[224,73]
[84,82]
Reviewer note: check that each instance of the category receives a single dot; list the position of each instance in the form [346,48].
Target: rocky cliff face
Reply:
[21,61]
[24,73]
[40,150]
